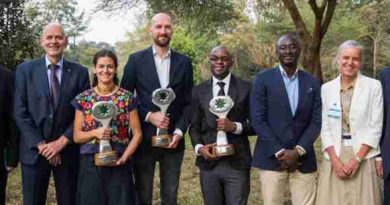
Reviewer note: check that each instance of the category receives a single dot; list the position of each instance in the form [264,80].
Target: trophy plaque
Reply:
[103,112]
[162,98]
[220,106]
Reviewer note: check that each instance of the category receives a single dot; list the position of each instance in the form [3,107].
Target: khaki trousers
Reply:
[302,187]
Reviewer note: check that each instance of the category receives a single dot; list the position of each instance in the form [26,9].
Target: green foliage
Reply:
[61,11]
[17,40]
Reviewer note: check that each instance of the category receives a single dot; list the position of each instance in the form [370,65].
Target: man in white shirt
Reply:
[147,70]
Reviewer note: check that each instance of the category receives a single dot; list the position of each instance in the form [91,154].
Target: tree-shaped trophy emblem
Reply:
[162,98]
[220,106]
[103,112]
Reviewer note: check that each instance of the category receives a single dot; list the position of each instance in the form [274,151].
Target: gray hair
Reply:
[348,44]
[51,24]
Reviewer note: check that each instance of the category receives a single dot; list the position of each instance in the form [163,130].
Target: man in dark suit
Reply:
[384,77]
[285,109]
[43,112]
[8,137]
[224,180]
[147,70]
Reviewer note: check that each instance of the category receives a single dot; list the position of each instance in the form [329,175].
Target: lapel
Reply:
[281,88]
[208,95]
[151,69]
[336,96]
[66,70]
[43,79]
[232,92]
[172,68]
[357,91]
[302,92]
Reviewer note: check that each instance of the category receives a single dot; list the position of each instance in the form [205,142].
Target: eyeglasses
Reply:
[217,58]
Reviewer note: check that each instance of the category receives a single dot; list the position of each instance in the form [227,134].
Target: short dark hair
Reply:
[105,53]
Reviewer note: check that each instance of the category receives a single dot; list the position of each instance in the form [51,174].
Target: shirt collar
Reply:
[351,86]
[166,55]
[226,80]
[284,74]
[60,63]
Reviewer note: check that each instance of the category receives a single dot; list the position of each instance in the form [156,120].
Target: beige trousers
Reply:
[302,187]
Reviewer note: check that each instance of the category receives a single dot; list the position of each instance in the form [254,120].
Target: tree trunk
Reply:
[311,59]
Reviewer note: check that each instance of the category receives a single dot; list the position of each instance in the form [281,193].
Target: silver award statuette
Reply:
[103,112]
[220,106]
[162,98]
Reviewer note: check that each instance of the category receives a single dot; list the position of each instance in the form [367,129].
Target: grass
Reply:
[189,191]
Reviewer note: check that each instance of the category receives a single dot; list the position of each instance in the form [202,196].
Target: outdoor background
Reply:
[249,28]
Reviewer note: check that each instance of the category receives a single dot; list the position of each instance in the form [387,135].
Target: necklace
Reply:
[105,91]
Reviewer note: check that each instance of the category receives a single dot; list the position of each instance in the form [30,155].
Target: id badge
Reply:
[334,111]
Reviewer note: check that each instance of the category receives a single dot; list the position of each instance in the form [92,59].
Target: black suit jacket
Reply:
[203,129]
[39,121]
[276,126]
[140,77]
[8,136]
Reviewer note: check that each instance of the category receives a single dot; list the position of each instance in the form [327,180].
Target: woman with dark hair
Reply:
[111,184]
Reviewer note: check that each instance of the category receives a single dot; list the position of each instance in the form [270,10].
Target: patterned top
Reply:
[346,98]
[124,102]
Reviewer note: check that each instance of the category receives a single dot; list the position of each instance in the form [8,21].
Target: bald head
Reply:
[290,36]
[161,17]
[52,26]
[218,49]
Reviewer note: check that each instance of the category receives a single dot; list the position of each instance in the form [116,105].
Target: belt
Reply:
[346,137]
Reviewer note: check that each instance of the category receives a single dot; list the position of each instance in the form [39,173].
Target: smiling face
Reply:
[161,29]
[105,70]
[220,62]
[54,42]
[288,50]
[349,61]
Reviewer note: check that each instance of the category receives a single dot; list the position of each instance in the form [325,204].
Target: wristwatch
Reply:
[301,152]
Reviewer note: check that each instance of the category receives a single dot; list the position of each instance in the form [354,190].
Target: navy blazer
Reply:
[384,77]
[274,123]
[140,77]
[203,129]
[36,119]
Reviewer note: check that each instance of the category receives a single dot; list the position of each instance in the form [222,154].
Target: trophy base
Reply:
[223,150]
[106,158]
[161,141]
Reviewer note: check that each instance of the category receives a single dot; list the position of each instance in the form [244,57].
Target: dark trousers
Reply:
[35,180]
[225,185]
[169,164]
[387,190]
[105,185]
[3,185]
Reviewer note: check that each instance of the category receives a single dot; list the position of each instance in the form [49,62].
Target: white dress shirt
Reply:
[163,67]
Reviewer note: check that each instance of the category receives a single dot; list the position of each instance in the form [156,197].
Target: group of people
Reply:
[51,102]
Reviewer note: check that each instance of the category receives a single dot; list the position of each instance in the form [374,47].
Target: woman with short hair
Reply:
[352,115]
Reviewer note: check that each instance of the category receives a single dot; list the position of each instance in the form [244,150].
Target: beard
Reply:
[162,43]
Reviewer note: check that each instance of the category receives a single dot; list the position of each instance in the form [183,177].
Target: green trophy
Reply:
[220,106]
[162,98]
[103,112]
